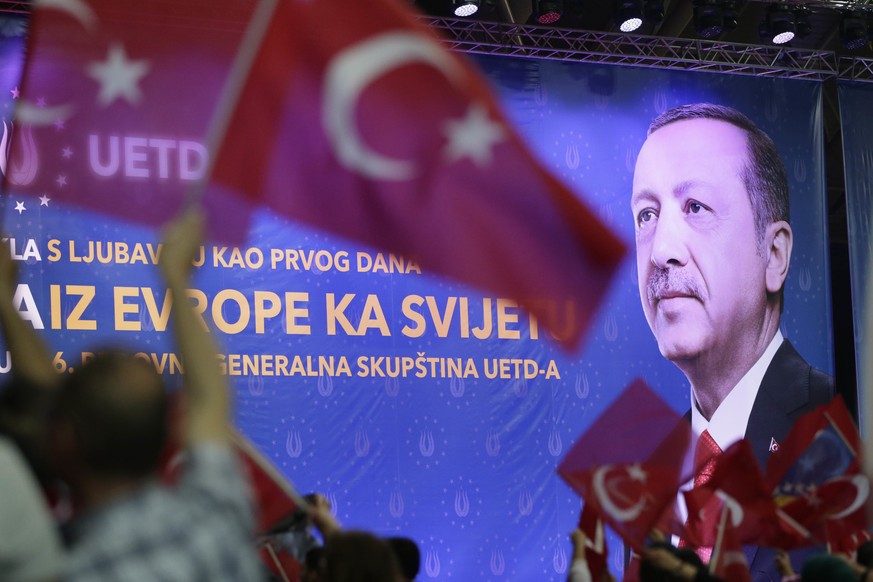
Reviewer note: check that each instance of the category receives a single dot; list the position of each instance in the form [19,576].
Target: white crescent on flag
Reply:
[601,490]
[26,112]
[350,73]
[78,9]
[862,492]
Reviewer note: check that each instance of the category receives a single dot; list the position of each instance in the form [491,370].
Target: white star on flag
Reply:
[118,76]
[19,206]
[636,473]
[473,136]
[44,200]
[61,181]
[67,153]
[812,496]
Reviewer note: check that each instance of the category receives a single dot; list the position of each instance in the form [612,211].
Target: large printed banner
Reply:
[857,129]
[417,405]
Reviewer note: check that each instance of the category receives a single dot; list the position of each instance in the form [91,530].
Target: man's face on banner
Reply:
[701,276]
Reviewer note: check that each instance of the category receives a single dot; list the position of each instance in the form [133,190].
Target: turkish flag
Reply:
[275,500]
[627,465]
[832,511]
[355,119]
[847,544]
[822,444]
[736,492]
[280,562]
[816,475]
[596,550]
[115,101]
[728,559]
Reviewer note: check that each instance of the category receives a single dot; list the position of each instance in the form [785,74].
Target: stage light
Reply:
[853,31]
[779,26]
[630,15]
[548,11]
[465,7]
[708,19]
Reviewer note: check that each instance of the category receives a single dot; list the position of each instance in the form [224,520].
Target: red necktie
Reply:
[706,454]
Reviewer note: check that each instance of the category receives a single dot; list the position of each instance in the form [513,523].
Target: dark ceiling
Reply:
[678,21]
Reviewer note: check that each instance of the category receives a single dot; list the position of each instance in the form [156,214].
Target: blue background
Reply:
[466,466]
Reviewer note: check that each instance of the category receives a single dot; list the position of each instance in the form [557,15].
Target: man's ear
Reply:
[779,239]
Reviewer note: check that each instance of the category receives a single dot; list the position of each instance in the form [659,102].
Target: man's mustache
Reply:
[672,283]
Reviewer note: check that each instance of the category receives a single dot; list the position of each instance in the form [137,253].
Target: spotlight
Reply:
[465,7]
[708,18]
[853,31]
[779,26]
[630,15]
[548,11]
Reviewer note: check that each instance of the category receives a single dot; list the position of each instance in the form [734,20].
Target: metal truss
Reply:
[647,51]
[493,38]
[23,7]
[854,69]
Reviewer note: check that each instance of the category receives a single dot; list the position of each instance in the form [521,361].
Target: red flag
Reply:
[596,550]
[822,444]
[115,100]
[738,490]
[728,559]
[632,570]
[355,119]
[627,464]
[847,544]
[280,562]
[833,511]
[816,474]
[274,498]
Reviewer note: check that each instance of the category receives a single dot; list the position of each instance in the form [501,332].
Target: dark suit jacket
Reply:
[790,389]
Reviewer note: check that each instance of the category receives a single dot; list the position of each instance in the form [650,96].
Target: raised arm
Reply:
[207,397]
[31,359]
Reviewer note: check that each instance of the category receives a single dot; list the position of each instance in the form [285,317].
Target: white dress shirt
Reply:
[728,424]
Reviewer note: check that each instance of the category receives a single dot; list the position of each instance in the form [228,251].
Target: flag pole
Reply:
[227,101]
[841,435]
[275,559]
[794,524]
[265,465]
[719,538]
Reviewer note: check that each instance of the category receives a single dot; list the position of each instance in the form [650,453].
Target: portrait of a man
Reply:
[713,248]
